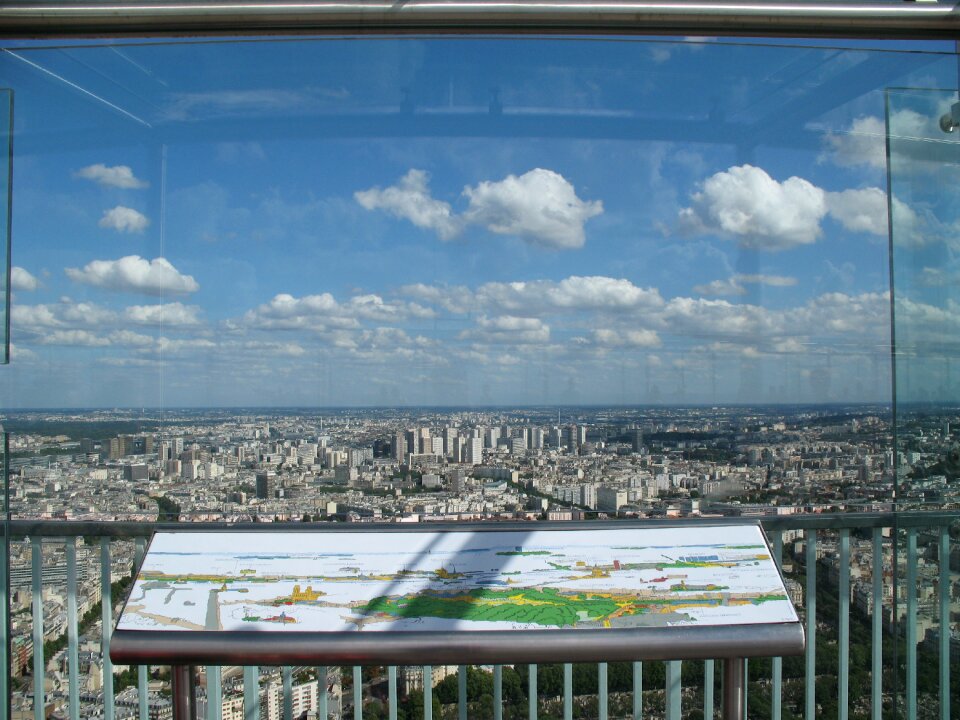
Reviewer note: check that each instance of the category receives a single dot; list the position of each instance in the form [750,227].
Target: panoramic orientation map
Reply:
[444,581]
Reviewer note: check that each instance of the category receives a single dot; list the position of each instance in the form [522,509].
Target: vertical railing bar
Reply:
[462,692]
[708,680]
[944,607]
[810,672]
[498,692]
[322,709]
[532,696]
[776,692]
[911,590]
[357,692]
[36,577]
[567,691]
[392,691]
[251,692]
[637,691]
[876,629]
[73,659]
[602,686]
[428,692]
[673,690]
[214,693]
[746,688]
[286,673]
[844,629]
[106,623]
[143,698]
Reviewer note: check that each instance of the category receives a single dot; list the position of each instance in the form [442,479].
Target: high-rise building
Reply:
[636,439]
[536,439]
[474,451]
[491,438]
[449,438]
[266,485]
[399,447]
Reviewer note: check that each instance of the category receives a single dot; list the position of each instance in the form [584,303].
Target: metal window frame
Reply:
[888,20]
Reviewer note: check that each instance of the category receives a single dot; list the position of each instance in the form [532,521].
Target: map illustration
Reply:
[446,581]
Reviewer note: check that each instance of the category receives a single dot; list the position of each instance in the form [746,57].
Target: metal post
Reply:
[498,692]
[911,590]
[322,710]
[287,676]
[733,688]
[776,694]
[532,697]
[637,691]
[567,691]
[392,691]
[106,625]
[876,629]
[357,692]
[184,695]
[944,603]
[462,692]
[708,670]
[602,688]
[428,692]
[214,693]
[251,692]
[73,641]
[36,576]
[673,690]
[810,595]
[843,674]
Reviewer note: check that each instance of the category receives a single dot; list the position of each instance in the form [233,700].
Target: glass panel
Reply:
[924,165]
[464,278]
[10,277]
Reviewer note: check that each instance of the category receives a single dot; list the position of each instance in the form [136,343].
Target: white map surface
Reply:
[447,581]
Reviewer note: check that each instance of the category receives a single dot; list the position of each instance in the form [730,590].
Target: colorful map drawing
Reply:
[444,581]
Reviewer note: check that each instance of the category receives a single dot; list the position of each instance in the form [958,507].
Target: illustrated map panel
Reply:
[446,581]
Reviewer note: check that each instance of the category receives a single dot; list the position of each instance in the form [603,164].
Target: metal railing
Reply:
[818,533]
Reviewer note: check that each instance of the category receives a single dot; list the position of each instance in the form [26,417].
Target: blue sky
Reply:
[380,222]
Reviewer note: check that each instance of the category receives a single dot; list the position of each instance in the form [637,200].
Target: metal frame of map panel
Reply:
[478,646]
[483,647]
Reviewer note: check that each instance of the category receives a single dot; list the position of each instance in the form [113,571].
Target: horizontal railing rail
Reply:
[922,20]
[838,529]
[21,528]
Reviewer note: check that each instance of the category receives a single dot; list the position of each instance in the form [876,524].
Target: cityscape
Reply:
[452,465]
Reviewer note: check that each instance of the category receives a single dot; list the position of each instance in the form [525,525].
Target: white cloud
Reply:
[410,199]
[33,316]
[135,274]
[324,312]
[130,338]
[746,203]
[169,314]
[508,329]
[119,176]
[81,338]
[540,206]
[860,210]
[735,285]
[20,279]
[626,338]
[720,288]
[572,294]
[862,143]
[124,219]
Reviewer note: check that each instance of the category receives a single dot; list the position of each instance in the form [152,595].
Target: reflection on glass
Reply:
[463,279]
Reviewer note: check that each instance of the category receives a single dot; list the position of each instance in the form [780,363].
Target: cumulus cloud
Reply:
[573,294]
[20,279]
[735,284]
[860,210]
[626,338]
[863,142]
[124,219]
[508,329]
[169,314]
[135,274]
[540,205]
[323,312]
[81,338]
[410,199]
[130,338]
[744,202]
[119,176]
